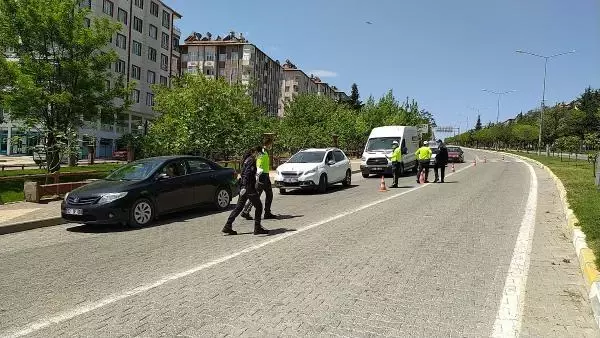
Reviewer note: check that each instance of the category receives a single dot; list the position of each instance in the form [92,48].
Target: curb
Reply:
[587,259]
[24,226]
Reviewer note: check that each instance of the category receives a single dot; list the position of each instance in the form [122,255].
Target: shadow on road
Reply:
[331,190]
[178,216]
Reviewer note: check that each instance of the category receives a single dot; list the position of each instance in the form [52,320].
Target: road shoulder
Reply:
[556,297]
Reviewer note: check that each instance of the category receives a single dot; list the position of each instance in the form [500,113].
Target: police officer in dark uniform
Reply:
[248,192]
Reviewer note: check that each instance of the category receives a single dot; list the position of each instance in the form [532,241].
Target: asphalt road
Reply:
[425,261]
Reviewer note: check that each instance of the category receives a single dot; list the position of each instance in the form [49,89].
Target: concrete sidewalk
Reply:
[22,216]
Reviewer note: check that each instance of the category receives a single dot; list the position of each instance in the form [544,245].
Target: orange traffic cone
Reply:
[382,187]
[485,159]
[475,162]
[422,177]
[453,167]
[502,157]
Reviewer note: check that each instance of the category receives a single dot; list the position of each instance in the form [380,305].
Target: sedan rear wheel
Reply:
[142,213]
[348,179]
[222,199]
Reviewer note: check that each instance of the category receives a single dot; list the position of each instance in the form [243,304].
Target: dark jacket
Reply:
[441,159]
[248,179]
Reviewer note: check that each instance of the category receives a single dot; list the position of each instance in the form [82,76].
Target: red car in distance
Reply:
[455,154]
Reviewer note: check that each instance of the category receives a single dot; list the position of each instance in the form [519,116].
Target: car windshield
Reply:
[308,157]
[381,143]
[135,171]
[435,150]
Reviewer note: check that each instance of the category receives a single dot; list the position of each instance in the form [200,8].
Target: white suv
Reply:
[315,169]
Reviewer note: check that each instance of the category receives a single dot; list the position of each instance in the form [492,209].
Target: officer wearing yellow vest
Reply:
[424,157]
[396,159]
[263,183]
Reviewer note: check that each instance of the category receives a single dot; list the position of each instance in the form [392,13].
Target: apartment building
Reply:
[235,59]
[148,49]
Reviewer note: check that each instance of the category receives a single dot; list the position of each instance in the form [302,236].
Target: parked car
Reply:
[120,155]
[455,154]
[138,192]
[314,169]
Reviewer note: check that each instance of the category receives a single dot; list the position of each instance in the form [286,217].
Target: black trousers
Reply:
[264,184]
[423,167]
[442,168]
[254,200]
[396,169]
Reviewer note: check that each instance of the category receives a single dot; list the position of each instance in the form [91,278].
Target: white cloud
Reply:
[323,73]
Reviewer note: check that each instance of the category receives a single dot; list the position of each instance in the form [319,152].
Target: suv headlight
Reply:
[66,195]
[111,197]
[311,171]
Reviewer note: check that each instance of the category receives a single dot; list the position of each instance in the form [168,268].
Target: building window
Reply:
[164,41]
[210,71]
[108,7]
[164,62]
[154,9]
[166,19]
[137,48]
[235,56]
[121,41]
[295,88]
[138,24]
[122,16]
[120,67]
[175,42]
[210,56]
[149,99]
[163,80]
[86,22]
[153,32]
[85,4]
[135,96]
[139,3]
[151,77]
[151,54]
[135,72]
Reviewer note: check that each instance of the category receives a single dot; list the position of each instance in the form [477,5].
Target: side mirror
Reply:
[331,162]
[162,176]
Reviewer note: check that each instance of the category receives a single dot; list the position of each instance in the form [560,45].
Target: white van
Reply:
[374,160]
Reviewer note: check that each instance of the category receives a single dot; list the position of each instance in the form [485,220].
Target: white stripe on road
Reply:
[86,308]
[508,319]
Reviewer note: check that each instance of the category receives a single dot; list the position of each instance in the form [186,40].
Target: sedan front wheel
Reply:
[141,213]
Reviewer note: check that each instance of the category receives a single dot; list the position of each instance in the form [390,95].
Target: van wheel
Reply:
[282,191]
[365,175]
[323,184]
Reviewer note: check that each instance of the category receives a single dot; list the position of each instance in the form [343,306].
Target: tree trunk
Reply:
[52,154]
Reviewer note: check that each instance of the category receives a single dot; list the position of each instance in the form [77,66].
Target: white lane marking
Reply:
[510,311]
[85,308]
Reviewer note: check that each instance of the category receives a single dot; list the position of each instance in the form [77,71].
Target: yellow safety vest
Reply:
[396,155]
[423,153]
[262,162]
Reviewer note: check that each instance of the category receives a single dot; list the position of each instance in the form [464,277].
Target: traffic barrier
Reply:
[382,187]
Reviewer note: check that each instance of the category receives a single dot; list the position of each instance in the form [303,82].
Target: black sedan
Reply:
[138,192]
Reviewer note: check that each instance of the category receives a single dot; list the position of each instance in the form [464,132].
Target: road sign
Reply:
[423,129]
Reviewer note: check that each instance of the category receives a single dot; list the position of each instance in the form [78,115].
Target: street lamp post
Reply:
[546,58]
[499,95]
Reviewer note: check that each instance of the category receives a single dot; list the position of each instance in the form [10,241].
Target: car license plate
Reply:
[71,211]
[290,180]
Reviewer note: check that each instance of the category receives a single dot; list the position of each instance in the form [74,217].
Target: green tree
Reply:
[355,102]
[478,124]
[204,117]
[61,69]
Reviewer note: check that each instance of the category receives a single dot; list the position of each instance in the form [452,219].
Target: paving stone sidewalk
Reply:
[556,300]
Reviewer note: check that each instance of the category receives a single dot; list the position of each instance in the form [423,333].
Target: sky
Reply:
[440,53]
